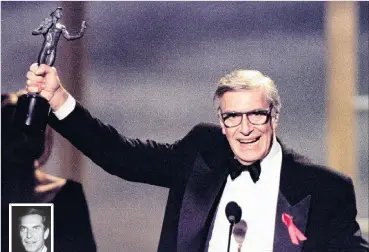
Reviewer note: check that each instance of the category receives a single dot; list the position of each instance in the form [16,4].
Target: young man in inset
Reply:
[34,230]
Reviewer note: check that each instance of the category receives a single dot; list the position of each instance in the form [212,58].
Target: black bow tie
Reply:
[236,168]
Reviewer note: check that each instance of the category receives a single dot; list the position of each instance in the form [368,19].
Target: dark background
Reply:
[152,70]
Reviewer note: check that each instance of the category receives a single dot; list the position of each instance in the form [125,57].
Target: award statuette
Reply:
[33,109]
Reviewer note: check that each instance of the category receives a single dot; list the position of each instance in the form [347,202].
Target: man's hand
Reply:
[44,79]
[47,186]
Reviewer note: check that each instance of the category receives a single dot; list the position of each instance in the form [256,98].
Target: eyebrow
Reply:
[23,226]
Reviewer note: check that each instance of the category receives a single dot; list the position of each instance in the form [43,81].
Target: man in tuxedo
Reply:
[288,204]
[23,181]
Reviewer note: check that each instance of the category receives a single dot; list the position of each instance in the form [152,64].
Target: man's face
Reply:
[33,233]
[248,142]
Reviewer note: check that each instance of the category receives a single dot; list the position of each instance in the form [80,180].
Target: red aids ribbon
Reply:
[295,233]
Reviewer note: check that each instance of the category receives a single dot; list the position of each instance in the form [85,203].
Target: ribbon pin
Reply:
[295,234]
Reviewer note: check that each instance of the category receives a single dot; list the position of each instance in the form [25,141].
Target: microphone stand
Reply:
[233,212]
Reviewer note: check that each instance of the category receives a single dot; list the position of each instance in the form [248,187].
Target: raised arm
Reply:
[131,159]
[73,37]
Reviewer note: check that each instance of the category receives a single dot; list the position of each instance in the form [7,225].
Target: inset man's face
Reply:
[33,233]
[248,142]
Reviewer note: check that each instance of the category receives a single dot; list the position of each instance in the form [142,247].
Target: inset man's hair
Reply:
[37,211]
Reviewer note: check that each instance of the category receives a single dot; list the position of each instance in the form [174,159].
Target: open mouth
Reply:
[30,242]
[249,141]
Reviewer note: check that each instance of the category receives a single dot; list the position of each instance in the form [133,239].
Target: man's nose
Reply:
[246,127]
[29,234]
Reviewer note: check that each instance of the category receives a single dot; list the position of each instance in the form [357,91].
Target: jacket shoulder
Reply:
[207,140]
[319,173]
[207,136]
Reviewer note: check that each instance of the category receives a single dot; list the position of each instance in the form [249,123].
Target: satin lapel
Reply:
[202,189]
[293,200]
[299,212]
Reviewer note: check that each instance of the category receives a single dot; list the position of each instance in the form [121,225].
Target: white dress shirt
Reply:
[66,108]
[258,202]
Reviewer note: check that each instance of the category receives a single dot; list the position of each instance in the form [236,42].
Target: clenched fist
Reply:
[44,79]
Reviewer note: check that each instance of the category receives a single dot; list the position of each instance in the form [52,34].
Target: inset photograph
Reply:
[31,227]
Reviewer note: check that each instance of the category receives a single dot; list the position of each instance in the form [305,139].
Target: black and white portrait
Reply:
[31,227]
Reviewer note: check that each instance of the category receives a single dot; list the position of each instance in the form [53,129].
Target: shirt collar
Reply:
[270,165]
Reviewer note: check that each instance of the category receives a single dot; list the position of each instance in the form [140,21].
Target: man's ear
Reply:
[221,122]
[275,120]
[223,127]
[46,233]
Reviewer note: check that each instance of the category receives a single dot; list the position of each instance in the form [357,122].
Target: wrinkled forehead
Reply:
[245,97]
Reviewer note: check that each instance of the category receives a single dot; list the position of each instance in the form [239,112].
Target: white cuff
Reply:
[66,108]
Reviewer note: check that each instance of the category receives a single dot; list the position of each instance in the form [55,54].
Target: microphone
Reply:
[239,233]
[233,212]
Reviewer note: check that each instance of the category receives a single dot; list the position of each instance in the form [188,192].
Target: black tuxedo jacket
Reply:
[194,169]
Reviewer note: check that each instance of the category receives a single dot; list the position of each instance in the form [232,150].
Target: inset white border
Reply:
[51,205]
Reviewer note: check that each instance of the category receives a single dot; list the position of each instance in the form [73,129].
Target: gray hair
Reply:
[246,80]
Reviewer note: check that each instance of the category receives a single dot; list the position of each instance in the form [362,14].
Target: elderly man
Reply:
[287,203]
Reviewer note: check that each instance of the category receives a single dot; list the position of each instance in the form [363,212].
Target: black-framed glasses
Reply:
[255,117]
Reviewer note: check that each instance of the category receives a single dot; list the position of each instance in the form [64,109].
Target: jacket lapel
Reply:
[203,187]
[292,200]
[201,197]
[299,212]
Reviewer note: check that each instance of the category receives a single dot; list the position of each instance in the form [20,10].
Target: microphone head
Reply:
[239,232]
[233,212]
